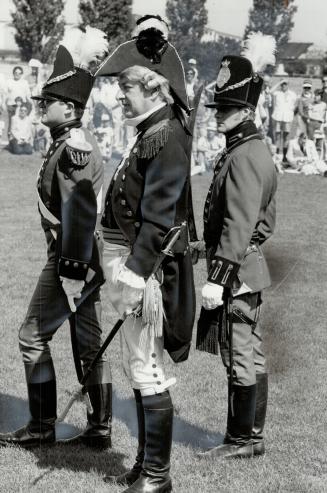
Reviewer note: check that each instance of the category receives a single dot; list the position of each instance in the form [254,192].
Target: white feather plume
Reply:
[85,47]
[260,49]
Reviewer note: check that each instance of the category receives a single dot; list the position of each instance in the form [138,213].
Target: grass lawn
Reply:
[294,322]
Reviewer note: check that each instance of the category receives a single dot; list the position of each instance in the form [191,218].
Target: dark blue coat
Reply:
[146,198]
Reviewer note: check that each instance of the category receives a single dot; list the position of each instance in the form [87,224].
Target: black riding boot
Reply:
[98,430]
[42,404]
[158,420]
[260,414]
[129,477]
[238,438]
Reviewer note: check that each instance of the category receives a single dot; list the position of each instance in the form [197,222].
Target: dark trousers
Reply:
[248,355]
[47,311]
[16,148]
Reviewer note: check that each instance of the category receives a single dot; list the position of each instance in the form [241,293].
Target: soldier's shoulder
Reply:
[154,139]
[78,148]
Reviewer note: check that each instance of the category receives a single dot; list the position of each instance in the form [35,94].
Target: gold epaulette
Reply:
[154,139]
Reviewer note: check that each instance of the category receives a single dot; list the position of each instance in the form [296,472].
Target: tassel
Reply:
[152,312]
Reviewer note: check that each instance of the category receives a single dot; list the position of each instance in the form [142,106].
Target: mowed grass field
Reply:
[294,323]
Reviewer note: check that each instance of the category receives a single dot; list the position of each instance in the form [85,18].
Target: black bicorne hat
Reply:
[237,84]
[150,48]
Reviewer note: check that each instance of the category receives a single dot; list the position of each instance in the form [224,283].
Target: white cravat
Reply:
[133,122]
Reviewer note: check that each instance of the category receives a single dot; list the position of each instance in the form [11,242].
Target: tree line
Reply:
[39,27]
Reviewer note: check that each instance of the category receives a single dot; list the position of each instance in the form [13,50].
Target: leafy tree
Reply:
[39,27]
[273,17]
[114,17]
[187,19]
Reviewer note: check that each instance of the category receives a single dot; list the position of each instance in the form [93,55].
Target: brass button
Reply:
[123,177]
[137,224]
[121,190]
[129,213]
[66,262]
[135,150]
[154,366]
[155,375]
[123,202]
[75,264]
[153,355]
[85,266]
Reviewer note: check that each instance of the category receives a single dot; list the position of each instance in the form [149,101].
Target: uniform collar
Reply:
[137,120]
[243,132]
[157,116]
[63,128]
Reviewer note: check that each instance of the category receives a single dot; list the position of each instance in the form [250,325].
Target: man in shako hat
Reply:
[239,215]
[146,199]
[69,187]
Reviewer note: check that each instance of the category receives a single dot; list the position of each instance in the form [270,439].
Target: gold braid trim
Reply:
[154,139]
[235,86]
[60,77]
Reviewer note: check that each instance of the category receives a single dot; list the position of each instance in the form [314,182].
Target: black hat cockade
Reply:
[71,79]
[239,81]
[150,48]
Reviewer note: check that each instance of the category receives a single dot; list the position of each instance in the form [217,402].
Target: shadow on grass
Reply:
[14,414]
[184,432]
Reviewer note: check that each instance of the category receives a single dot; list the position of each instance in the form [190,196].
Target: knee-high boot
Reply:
[260,414]
[129,477]
[42,397]
[238,438]
[97,433]
[158,420]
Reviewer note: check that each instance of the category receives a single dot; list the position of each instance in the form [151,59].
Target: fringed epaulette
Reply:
[78,149]
[154,139]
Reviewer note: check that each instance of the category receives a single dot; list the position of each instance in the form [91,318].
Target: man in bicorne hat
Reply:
[69,188]
[239,216]
[146,201]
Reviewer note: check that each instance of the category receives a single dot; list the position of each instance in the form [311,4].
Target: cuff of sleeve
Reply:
[127,276]
[223,272]
[72,269]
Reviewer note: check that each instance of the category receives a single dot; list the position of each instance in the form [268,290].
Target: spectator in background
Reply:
[324,88]
[316,114]
[283,114]
[303,157]
[3,90]
[210,144]
[191,84]
[303,104]
[108,95]
[192,63]
[17,87]
[21,132]
[267,105]
[104,135]
[33,79]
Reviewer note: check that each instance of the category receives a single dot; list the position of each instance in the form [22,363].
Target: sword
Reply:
[80,393]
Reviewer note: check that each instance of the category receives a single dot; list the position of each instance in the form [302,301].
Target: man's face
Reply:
[284,86]
[22,112]
[17,74]
[53,112]
[302,140]
[228,117]
[189,76]
[133,97]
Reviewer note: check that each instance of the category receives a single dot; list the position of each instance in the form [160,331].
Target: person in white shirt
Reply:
[17,87]
[21,132]
[210,143]
[316,114]
[302,155]
[104,135]
[283,114]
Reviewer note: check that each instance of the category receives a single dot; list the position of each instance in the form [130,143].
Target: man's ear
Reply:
[70,107]
[154,93]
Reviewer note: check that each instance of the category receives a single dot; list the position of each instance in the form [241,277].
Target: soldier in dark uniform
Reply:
[69,187]
[239,216]
[146,199]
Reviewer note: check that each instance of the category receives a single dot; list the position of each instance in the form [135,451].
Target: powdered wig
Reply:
[150,80]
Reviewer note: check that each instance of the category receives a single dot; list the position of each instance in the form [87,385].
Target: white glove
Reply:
[73,289]
[212,296]
[133,287]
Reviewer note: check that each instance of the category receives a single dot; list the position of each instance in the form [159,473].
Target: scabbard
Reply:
[229,330]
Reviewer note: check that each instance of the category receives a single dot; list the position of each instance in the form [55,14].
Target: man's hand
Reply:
[212,296]
[73,290]
[133,288]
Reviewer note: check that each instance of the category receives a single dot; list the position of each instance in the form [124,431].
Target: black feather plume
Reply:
[152,44]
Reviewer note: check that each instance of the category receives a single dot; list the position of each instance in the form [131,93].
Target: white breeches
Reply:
[142,352]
